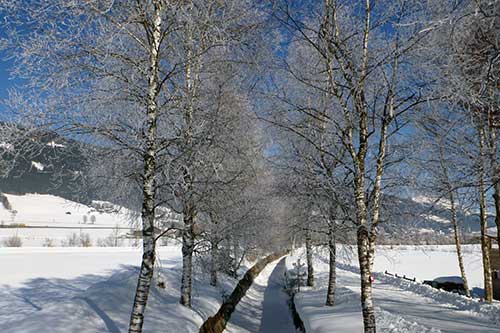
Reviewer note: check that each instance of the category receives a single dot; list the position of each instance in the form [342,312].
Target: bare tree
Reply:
[442,159]
[467,80]
[352,71]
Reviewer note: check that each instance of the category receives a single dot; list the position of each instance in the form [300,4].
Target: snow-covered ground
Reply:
[91,290]
[401,306]
[53,219]
[428,262]
[264,308]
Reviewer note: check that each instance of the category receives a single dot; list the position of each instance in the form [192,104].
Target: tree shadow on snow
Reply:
[102,303]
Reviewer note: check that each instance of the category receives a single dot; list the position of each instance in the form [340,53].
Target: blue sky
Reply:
[5,81]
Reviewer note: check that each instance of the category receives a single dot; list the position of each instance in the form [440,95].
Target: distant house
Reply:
[495,265]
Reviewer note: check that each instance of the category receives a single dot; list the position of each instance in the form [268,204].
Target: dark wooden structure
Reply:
[495,265]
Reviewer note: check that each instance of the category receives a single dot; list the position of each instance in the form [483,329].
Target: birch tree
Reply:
[77,55]
[444,160]
[469,82]
[356,68]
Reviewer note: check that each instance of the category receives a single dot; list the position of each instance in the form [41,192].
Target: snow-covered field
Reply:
[91,290]
[51,219]
[75,289]
[427,262]
[401,306]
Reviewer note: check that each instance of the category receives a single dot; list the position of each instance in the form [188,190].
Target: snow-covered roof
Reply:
[452,279]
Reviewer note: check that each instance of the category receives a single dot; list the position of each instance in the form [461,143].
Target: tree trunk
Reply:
[363,243]
[213,264]
[148,204]
[458,246]
[217,323]
[488,285]
[366,284]
[187,259]
[309,258]
[454,219]
[332,273]
[236,254]
[495,171]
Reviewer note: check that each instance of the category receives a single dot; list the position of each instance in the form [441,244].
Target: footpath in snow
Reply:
[265,307]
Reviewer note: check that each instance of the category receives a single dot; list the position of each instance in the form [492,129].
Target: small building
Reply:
[494,264]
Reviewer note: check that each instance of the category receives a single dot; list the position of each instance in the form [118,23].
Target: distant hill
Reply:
[52,165]
[421,217]
[57,166]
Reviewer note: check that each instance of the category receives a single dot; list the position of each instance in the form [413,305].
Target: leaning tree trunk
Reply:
[187,258]
[148,204]
[485,248]
[217,323]
[309,258]
[332,273]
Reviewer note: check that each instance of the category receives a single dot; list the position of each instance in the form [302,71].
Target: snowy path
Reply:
[276,316]
[345,316]
[264,308]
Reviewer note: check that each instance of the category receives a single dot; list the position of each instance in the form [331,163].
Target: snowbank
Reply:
[345,315]
[462,303]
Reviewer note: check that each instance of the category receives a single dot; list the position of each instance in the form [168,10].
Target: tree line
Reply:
[252,120]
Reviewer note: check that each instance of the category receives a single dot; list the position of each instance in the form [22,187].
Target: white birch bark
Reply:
[187,258]
[148,208]
[332,269]
[485,244]
[309,259]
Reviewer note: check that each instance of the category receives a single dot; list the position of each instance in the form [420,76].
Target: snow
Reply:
[438,202]
[72,288]
[91,290]
[53,144]
[426,231]
[401,305]
[26,263]
[53,217]
[6,146]
[37,165]
[436,218]
[452,279]
[50,210]
[428,262]
[265,307]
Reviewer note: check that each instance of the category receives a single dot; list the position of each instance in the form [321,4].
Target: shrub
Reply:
[85,240]
[77,240]
[48,242]
[113,240]
[13,241]
[71,240]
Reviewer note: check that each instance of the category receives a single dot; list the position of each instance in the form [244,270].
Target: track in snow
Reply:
[264,308]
